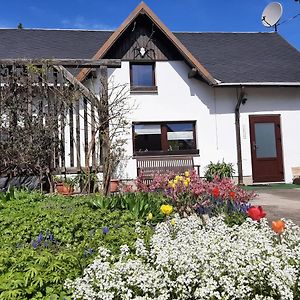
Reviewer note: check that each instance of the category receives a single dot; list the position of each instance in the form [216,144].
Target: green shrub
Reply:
[46,239]
[220,169]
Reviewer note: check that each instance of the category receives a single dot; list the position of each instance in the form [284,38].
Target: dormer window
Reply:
[142,77]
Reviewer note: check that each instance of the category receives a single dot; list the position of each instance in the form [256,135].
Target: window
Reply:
[164,138]
[142,77]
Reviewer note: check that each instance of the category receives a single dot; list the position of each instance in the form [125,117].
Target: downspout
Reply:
[240,100]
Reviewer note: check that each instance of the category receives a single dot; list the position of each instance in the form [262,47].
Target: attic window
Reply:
[142,77]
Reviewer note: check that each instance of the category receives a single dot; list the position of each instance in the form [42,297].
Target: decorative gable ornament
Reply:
[142,51]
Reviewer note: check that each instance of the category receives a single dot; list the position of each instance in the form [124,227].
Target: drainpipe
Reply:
[240,100]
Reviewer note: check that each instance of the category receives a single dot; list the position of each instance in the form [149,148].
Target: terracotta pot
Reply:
[63,189]
[114,185]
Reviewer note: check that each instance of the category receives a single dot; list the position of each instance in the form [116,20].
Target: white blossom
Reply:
[190,260]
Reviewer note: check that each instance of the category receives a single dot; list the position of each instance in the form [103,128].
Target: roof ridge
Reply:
[229,32]
[57,29]
[109,30]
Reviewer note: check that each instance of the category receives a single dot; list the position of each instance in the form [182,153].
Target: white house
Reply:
[210,96]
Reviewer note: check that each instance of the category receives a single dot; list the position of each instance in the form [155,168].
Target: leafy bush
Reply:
[220,170]
[190,260]
[46,239]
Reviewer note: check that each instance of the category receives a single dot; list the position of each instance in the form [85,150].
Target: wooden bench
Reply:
[149,166]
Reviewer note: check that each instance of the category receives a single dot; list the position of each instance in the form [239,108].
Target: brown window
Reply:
[142,76]
[164,138]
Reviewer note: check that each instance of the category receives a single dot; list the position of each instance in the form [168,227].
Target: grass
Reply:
[275,186]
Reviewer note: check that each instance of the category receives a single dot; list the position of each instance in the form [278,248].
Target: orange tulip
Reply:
[278,226]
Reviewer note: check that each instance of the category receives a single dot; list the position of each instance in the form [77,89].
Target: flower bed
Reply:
[189,193]
[47,239]
[190,260]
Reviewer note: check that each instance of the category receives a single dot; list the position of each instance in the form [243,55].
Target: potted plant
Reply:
[114,185]
[64,186]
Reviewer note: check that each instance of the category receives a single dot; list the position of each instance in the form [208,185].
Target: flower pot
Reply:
[64,189]
[114,185]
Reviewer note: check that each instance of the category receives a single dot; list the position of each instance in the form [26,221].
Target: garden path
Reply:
[279,203]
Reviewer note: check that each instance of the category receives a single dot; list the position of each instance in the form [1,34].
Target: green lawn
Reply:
[275,186]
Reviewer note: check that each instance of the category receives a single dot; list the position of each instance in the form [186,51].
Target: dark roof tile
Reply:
[245,57]
[229,57]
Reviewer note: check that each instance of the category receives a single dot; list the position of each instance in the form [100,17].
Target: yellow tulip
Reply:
[150,216]
[186,183]
[166,209]
[186,173]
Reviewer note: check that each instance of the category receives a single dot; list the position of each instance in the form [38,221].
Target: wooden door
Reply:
[266,150]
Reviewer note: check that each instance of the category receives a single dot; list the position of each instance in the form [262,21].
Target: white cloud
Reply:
[81,22]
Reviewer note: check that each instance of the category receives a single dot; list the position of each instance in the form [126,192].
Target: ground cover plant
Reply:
[190,259]
[47,239]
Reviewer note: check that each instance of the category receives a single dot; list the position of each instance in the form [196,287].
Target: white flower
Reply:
[195,261]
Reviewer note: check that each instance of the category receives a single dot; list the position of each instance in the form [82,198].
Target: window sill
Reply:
[194,152]
[143,90]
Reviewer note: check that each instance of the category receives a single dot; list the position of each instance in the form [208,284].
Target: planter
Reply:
[114,185]
[64,189]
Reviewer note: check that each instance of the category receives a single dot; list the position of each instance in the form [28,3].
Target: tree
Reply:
[111,124]
[20,26]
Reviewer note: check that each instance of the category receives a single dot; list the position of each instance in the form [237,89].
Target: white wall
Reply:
[261,100]
[180,98]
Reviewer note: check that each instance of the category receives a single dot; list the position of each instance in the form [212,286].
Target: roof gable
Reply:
[142,8]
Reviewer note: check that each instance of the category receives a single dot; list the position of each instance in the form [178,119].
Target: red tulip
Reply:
[232,195]
[216,192]
[278,226]
[256,213]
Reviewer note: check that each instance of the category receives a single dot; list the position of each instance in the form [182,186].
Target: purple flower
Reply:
[40,238]
[51,237]
[34,244]
[105,230]
[90,251]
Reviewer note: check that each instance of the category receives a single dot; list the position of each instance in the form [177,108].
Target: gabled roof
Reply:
[229,57]
[245,57]
[142,8]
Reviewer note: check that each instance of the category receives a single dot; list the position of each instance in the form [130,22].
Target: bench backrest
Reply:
[152,165]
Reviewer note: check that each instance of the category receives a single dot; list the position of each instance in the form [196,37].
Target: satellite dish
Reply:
[272,14]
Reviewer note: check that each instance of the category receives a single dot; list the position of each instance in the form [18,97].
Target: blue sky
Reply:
[178,15]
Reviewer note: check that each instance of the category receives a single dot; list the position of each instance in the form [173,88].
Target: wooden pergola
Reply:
[57,77]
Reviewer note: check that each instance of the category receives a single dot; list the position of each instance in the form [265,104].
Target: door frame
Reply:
[266,118]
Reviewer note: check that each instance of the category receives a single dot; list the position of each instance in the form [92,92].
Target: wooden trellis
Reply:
[53,74]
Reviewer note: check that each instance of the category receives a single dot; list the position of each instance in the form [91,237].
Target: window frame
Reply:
[164,140]
[134,88]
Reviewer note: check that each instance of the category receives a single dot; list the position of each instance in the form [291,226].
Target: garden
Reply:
[181,237]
